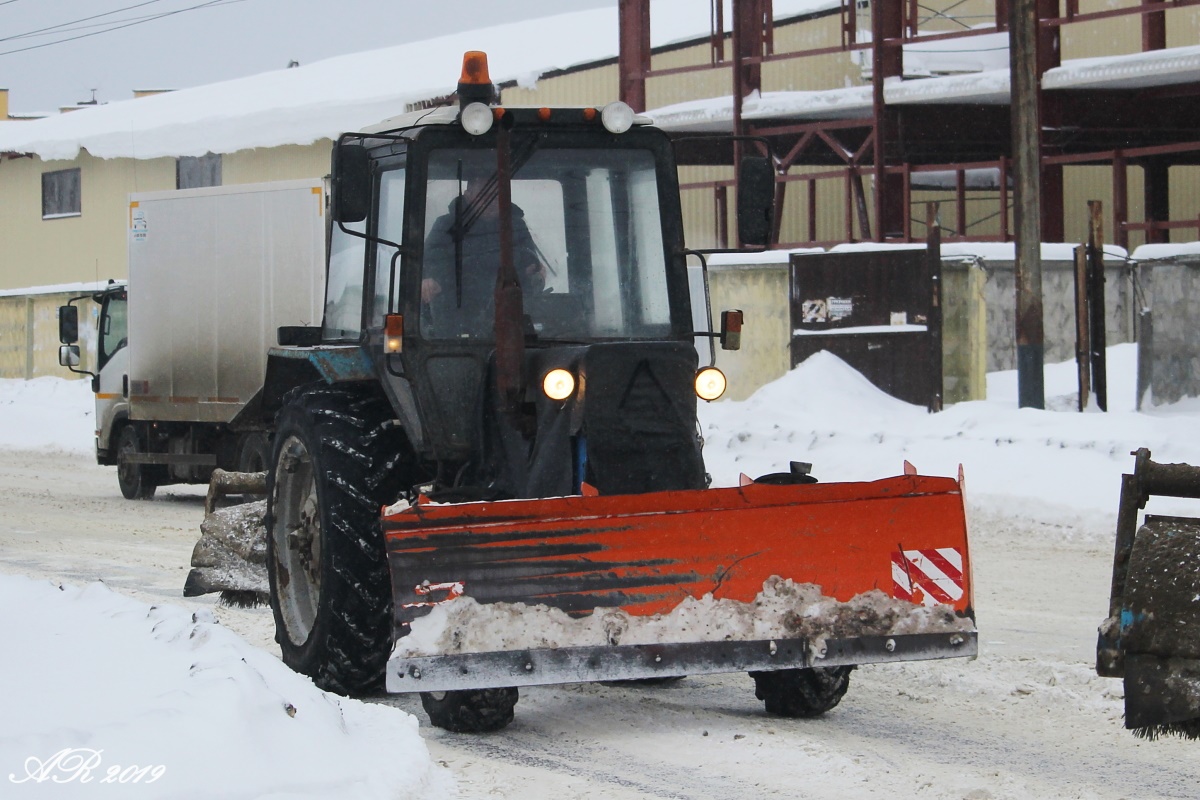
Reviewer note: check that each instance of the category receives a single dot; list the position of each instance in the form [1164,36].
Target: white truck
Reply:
[182,348]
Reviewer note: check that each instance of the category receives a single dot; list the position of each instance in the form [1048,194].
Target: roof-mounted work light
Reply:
[476,119]
[617,117]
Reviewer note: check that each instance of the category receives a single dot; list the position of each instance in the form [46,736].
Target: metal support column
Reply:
[1154,30]
[887,30]
[1027,216]
[633,59]
[749,40]
[1048,56]
[1156,189]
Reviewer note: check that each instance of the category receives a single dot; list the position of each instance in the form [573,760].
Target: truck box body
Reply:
[213,273]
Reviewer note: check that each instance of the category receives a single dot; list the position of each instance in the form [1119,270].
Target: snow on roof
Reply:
[716,113]
[1153,252]
[322,99]
[981,53]
[1135,71]
[61,288]
[988,87]
[1006,251]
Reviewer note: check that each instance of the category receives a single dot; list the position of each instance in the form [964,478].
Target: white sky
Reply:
[227,39]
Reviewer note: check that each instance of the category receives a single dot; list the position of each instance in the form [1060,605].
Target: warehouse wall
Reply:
[29,334]
[761,291]
[87,247]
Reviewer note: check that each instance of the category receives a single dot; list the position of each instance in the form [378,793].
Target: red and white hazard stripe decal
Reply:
[928,577]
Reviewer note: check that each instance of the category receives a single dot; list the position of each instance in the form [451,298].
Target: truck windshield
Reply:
[587,244]
[114,327]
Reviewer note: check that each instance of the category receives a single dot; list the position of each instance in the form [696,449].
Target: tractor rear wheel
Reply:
[332,468]
[801,693]
[472,710]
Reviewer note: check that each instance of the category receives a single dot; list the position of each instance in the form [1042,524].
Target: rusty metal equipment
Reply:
[1151,637]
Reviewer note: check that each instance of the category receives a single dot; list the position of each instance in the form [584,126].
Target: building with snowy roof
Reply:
[931,106]
[863,136]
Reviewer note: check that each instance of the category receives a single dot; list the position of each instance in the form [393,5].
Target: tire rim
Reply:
[296,536]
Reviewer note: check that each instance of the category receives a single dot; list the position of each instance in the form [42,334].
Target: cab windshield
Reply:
[114,327]
[587,244]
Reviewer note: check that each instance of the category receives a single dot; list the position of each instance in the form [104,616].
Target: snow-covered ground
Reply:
[127,679]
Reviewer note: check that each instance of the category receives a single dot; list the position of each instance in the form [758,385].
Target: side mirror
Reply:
[755,201]
[68,326]
[731,330]
[351,183]
[68,355]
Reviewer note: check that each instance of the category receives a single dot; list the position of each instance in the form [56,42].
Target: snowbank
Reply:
[48,414]
[108,697]
[827,413]
[1056,464]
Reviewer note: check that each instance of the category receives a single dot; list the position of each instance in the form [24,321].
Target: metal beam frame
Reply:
[892,145]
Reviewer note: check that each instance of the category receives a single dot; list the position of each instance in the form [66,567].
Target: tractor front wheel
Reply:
[801,693]
[332,468]
[472,710]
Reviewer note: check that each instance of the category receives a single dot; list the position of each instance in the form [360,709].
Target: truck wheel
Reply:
[471,710]
[333,467]
[254,453]
[137,481]
[801,693]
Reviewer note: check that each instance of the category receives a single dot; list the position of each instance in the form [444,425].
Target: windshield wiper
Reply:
[465,219]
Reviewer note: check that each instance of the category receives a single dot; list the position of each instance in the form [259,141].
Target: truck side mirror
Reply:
[755,201]
[351,183]
[68,327]
[731,330]
[68,355]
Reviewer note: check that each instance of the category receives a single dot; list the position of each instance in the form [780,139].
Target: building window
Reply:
[60,194]
[192,172]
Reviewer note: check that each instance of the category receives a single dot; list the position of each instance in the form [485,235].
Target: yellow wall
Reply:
[89,247]
[29,335]
[761,292]
[292,162]
[586,87]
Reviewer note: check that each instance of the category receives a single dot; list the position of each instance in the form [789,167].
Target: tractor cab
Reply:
[499,264]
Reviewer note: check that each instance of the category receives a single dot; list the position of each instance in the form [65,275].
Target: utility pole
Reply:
[1027,206]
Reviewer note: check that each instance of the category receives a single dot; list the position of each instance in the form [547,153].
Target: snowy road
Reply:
[1028,719]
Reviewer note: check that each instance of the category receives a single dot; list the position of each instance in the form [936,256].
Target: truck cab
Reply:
[110,381]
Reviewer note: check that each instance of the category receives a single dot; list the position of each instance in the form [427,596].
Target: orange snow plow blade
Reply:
[902,538]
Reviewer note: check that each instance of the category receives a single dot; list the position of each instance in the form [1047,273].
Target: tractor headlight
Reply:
[559,384]
[710,383]
[477,119]
[617,117]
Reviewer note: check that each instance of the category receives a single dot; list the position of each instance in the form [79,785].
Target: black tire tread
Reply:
[146,484]
[348,650]
[801,693]
[471,710]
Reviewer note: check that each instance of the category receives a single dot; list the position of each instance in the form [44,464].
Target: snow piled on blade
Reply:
[156,686]
[782,610]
